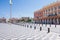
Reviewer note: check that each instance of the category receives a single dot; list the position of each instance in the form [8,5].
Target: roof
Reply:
[49,6]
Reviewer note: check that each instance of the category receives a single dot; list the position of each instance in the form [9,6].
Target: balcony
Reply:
[52,15]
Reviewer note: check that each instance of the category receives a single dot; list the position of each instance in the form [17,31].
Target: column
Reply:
[40,21]
[57,10]
[47,21]
[53,21]
[50,9]
[53,10]
[57,21]
[50,21]
[44,21]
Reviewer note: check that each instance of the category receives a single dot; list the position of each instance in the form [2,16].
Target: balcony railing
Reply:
[52,14]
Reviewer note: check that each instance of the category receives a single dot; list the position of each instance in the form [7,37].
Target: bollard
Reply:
[30,26]
[27,26]
[40,28]
[48,30]
[34,27]
[59,35]
[55,25]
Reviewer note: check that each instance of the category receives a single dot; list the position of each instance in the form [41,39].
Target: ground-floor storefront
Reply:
[49,20]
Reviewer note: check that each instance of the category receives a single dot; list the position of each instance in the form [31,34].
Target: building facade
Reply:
[2,20]
[13,20]
[49,14]
[25,18]
[16,20]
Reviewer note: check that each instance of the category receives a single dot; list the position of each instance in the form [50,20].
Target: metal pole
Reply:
[10,11]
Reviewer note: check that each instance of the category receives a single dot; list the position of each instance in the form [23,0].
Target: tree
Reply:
[29,20]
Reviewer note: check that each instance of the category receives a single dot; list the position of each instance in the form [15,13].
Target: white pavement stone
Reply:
[19,32]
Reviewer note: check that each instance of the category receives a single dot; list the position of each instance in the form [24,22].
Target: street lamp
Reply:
[10,9]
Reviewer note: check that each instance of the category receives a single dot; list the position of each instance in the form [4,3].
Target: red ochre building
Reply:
[49,14]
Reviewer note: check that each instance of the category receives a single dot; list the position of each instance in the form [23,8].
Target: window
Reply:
[51,9]
[45,14]
[46,10]
[52,14]
[58,7]
[58,12]
[37,17]
[55,13]
[55,8]
[40,17]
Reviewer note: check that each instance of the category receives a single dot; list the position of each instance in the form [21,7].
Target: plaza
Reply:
[21,31]
[19,24]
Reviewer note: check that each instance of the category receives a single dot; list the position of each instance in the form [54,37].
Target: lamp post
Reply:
[10,9]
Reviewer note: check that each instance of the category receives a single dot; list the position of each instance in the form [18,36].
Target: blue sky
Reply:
[22,8]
